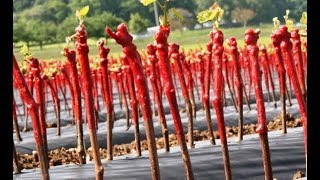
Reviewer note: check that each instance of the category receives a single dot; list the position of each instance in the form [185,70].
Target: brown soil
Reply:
[70,156]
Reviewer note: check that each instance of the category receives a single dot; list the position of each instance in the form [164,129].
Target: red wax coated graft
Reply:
[218,81]
[123,38]
[208,56]
[165,70]
[38,85]
[276,40]
[132,91]
[174,51]
[297,56]
[186,66]
[29,101]
[87,81]
[286,46]
[237,69]
[151,51]
[74,79]
[103,53]
[251,38]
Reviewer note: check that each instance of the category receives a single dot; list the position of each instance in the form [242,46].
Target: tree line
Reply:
[50,21]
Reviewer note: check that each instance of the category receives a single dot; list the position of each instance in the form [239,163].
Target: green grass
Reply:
[187,40]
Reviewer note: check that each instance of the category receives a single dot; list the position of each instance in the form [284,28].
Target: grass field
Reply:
[186,39]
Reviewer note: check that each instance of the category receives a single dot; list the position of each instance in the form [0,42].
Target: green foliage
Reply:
[66,28]
[181,18]
[96,24]
[243,15]
[147,2]
[58,10]
[214,13]
[25,52]
[80,14]
[137,24]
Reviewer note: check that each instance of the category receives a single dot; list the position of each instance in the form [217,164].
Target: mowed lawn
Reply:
[187,40]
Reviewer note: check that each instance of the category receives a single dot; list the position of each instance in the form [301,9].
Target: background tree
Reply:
[58,10]
[242,15]
[137,24]
[42,31]
[187,21]
[96,24]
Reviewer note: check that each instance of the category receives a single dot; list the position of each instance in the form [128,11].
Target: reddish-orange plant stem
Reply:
[151,50]
[238,83]
[206,90]
[133,102]
[31,104]
[217,39]
[174,51]
[251,38]
[123,38]
[87,83]
[76,95]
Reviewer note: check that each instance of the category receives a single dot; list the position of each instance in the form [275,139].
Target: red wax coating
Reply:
[86,77]
[217,39]
[276,40]
[74,80]
[286,46]
[132,91]
[208,56]
[151,51]
[251,38]
[123,38]
[103,53]
[298,60]
[38,85]
[29,101]
[237,69]
[165,71]
[174,51]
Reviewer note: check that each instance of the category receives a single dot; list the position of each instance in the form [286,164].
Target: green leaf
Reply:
[24,49]
[147,2]
[82,12]
[289,24]
[303,19]
[176,14]
[276,22]
[214,13]
[286,17]
[204,16]
[25,52]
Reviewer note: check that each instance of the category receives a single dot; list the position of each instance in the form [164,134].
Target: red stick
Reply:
[286,46]
[238,82]
[82,51]
[151,50]
[123,38]
[56,101]
[161,38]
[103,53]
[15,120]
[133,102]
[217,40]
[76,94]
[206,90]
[251,38]
[35,69]
[27,98]
[174,51]
[297,56]
[276,40]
